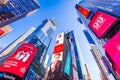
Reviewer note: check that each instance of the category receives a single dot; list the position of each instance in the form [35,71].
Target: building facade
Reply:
[65,62]
[16,9]
[102,23]
[28,56]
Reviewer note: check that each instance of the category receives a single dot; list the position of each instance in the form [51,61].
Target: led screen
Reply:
[112,48]
[101,23]
[82,10]
[18,63]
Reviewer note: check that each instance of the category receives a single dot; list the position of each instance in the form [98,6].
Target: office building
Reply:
[102,22]
[66,58]
[16,9]
[28,57]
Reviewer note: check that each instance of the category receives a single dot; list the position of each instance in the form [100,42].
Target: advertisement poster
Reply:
[112,48]
[101,23]
[19,62]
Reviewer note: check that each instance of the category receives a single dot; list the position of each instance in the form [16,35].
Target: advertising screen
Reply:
[58,48]
[67,68]
[19,62]
[101,23]
[82,10]
[112,48]
[60,39]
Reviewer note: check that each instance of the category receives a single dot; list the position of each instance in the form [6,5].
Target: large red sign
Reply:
[84,11]
[112,48]
[18,63]
[101,23]
[58,48]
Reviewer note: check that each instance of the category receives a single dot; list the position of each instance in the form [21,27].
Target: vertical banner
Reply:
[19,62]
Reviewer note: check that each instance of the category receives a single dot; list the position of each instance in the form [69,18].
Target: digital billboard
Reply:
[60,39]
[57,57]
[20,60]
[67,68]
[82,10]
[101,23]
[112,48]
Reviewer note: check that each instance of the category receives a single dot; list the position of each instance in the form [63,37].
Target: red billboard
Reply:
[58,48]
[112,48]
[19,62]
[84,11]
[101,23]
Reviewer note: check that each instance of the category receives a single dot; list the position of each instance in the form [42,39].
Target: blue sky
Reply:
[65,14]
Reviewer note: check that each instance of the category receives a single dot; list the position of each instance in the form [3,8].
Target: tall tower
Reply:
[28,57]
[88,74]
[16,9]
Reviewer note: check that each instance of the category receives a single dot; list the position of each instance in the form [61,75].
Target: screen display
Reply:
[112,48]
[82,10]
[19,62]
[101,23]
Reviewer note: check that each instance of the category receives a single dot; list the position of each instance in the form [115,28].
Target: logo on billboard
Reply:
[99,21]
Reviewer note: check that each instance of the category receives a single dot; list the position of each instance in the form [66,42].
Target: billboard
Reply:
[101,23]
[112,48]
[82,10]
[60,39]
[20,60]
[67,68]
[4,30]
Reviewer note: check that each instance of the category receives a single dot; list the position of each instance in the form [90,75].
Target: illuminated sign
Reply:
[4,30]
[67,68]
[60,39]
[18,63]
[84,11]
[112,48]
[101,23]
[58,48]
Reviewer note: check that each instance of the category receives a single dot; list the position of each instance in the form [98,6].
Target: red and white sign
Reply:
[5,30]
[19,62]
[58,48]
[60,39]
[84,11]
[101,23]
[112,48]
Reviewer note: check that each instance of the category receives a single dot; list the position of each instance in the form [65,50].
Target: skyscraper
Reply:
[28,57]
[16,9]
[65,62]
[103,24]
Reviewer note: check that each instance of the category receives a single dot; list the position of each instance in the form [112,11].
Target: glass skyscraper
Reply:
[30,55]
[16,9]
